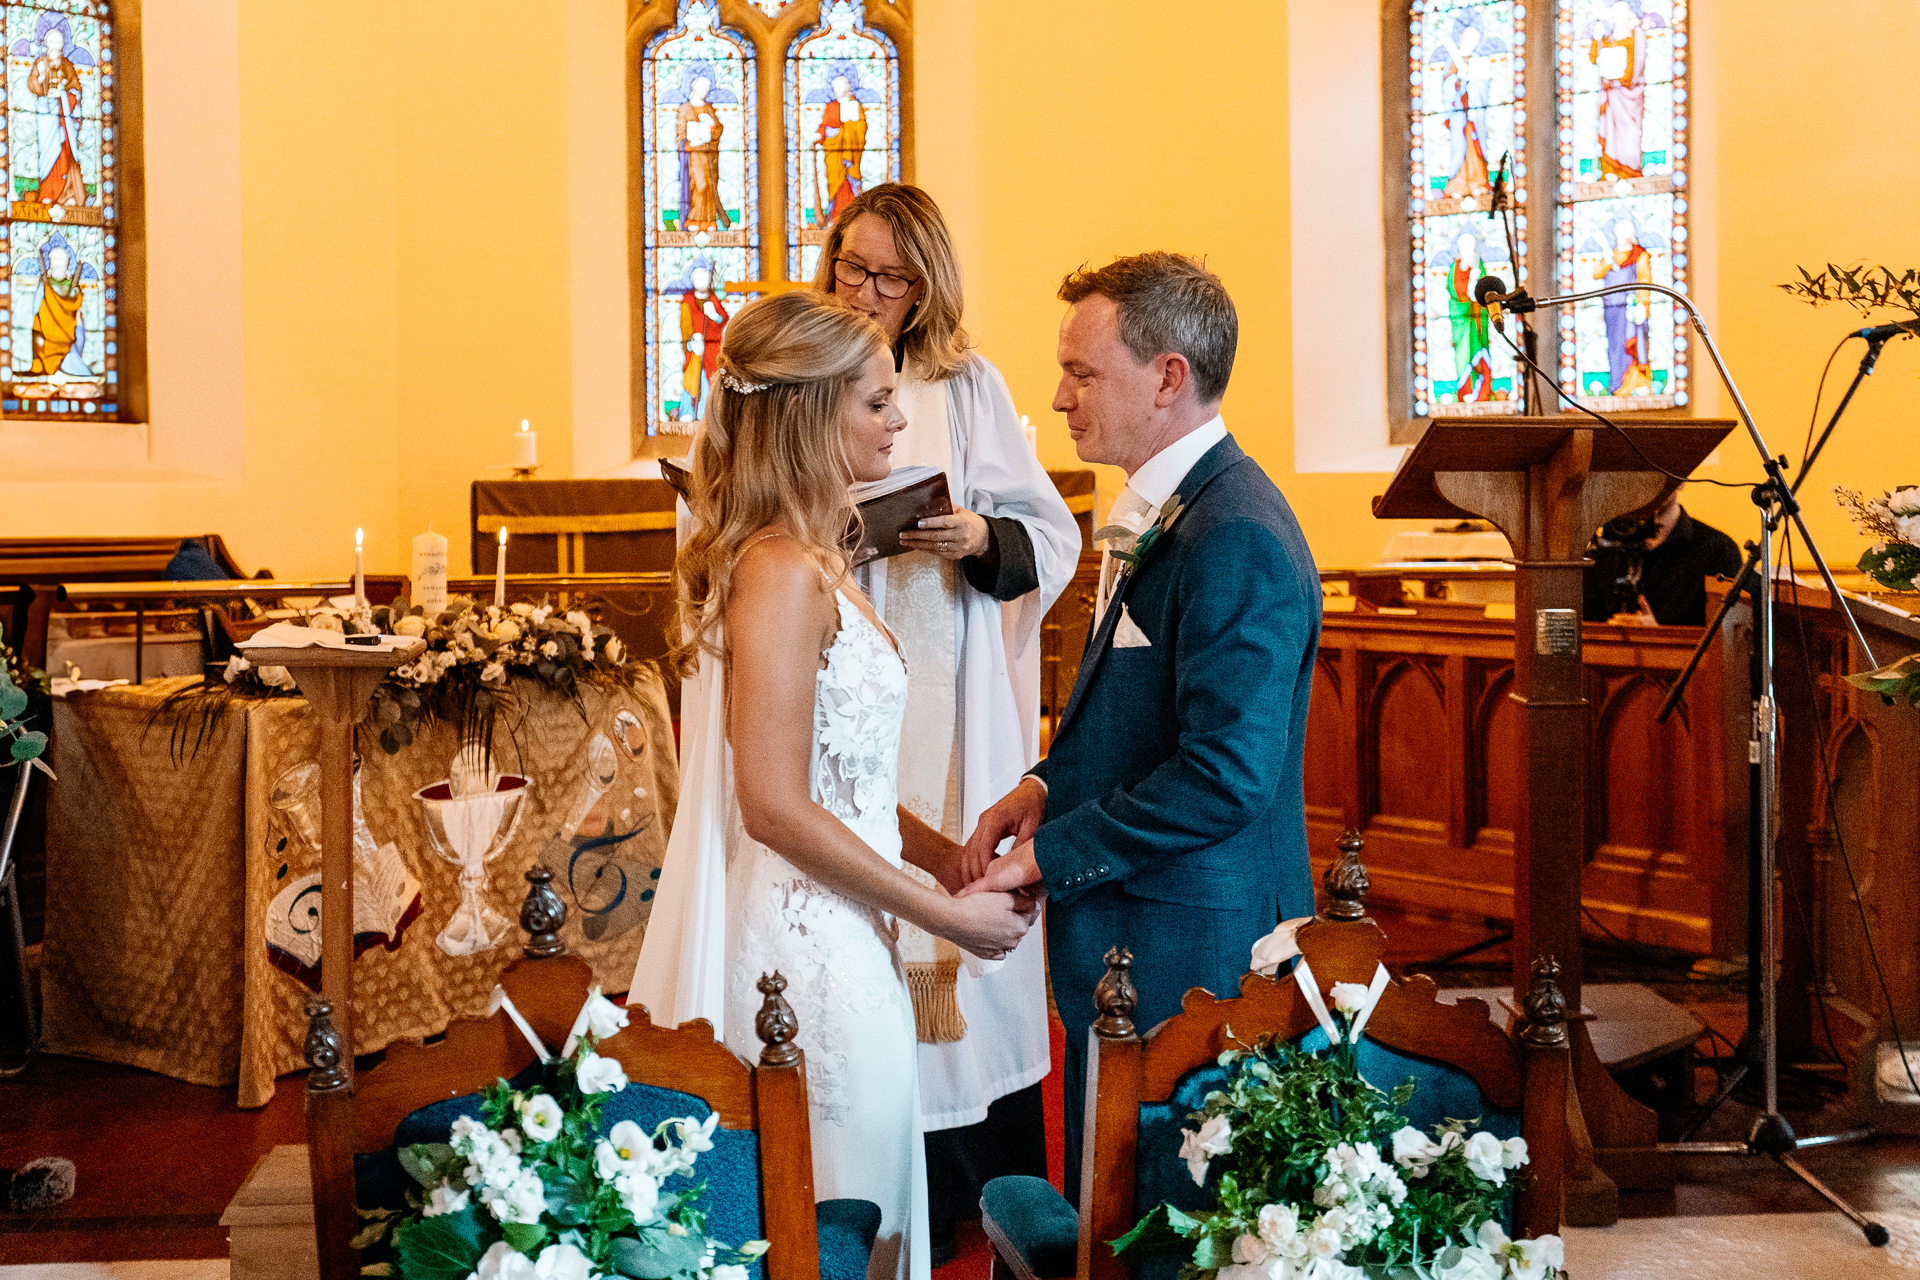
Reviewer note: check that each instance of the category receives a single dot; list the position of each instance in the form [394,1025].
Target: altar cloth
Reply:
[182,898]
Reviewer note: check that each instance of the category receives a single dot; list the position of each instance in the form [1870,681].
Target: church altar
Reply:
[183,924]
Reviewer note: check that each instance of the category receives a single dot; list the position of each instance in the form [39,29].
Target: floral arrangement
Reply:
[1893,521]
[1322,1179]
[531,1192]
[473,655]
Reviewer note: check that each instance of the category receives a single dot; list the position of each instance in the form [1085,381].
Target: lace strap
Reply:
[758,538]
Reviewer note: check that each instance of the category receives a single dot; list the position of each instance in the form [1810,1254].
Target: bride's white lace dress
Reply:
[844,978]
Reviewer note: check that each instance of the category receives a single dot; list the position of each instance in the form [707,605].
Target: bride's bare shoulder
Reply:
[775,566]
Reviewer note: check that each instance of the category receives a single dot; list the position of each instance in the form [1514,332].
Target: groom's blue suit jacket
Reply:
[1175,820]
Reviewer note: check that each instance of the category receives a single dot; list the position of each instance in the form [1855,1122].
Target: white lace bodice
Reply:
[859,702]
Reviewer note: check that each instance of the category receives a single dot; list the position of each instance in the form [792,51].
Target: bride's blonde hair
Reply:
[771,453]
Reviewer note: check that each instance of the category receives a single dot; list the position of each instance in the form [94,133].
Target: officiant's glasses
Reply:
[853,275]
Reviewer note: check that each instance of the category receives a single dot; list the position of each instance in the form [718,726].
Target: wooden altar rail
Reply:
[1413,741]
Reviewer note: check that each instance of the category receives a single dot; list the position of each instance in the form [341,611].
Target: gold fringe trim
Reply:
[936,1004]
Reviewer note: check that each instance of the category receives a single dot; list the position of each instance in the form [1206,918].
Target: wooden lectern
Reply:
[1548,483]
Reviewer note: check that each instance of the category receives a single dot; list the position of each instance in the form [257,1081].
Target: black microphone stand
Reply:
[1770,1134]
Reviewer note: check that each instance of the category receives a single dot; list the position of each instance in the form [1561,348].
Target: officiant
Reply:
[966,605]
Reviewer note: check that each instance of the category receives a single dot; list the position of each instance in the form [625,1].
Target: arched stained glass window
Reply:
[1467,70]
[1622,212]
[1600,120]
[700,203]
[843,124]
[61,333]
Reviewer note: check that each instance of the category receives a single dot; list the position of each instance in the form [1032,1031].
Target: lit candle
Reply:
[500,571]
[359,577]
[526,446]
[430,572]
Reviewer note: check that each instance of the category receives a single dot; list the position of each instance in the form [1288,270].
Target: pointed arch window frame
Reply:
[771,37]
[1547,101]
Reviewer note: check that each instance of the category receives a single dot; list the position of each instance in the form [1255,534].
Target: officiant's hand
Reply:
[951,537]
[989,924]
[1018,814]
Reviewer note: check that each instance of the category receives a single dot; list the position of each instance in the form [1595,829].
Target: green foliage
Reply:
[24,745]
[1861,287]
[447,1247]
[1897,680]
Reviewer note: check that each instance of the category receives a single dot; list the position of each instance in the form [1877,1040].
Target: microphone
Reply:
[1489,287]
[1878,333]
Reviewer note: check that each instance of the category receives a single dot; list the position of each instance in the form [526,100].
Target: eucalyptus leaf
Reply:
[13,699]
[658,1256]
[445,1247]
[29,746]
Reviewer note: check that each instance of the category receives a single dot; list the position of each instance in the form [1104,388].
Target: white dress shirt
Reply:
[1147,490]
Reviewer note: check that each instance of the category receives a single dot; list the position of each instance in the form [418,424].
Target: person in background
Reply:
[967,604]
[1651,569]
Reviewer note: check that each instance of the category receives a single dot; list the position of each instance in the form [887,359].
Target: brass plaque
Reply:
[1556,632]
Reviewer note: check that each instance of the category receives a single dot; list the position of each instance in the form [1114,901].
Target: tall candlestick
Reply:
[430,572]
[500,571]
[359,577]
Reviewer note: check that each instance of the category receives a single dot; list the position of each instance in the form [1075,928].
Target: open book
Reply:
[888,507]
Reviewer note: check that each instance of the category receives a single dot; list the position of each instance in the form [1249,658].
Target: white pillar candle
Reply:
[430,572]
[359,575]
[526,446]
[500,571]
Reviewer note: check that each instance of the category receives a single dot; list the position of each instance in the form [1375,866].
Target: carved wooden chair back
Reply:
[348,1116]
[1131,1075]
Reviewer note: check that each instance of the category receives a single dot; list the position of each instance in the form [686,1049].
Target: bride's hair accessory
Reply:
[734,382]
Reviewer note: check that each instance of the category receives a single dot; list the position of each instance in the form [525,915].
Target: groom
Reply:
[1169,816]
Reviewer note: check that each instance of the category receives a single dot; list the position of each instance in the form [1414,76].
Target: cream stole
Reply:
[918,601]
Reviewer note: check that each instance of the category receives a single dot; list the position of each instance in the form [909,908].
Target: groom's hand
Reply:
[1013,872]
[1017,814]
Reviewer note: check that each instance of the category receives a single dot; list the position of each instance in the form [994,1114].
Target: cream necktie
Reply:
[1130,511]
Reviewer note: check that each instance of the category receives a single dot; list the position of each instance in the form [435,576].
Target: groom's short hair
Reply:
[1167,302]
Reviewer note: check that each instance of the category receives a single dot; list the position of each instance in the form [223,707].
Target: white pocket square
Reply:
[1127,634]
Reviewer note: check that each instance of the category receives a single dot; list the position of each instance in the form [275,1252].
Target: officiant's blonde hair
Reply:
[772,451]
[931,337]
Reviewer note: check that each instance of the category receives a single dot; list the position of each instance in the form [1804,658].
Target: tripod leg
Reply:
[1875,1233]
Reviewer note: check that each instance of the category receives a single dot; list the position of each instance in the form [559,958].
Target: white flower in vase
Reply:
[1280,1229]
[1197,1149]
[1513,1152]
[540,1116]
[599,1075]
[1414,1151]
[1349,997]
[1484,1158]
[1535,1259]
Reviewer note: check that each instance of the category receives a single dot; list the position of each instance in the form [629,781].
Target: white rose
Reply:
[1323,1241]
[503,1262]
[1349,997]
[1513,1152]
[540,1116]
[1414,1151]
[1904,502]
[1907,528]
[599,1075]
[1279,1225]
[444,1199]
[639,1192]
[1483,1158]
[562,1262]
[410,626]
[506,631]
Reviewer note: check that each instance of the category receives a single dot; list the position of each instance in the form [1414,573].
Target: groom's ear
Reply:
[1176,378]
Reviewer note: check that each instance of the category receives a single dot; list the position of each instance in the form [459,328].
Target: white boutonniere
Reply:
[1169,512]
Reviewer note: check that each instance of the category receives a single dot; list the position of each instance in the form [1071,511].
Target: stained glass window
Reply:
[1467,72]
[700,203]
[843,124]
[59,328]
[1622,210]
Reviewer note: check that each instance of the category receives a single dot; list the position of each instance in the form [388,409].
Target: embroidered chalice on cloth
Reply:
[471,815]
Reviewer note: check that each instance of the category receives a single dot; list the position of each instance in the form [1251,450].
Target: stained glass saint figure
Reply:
[1628,337]
[703,320]
[697,132]
[1617,47]
[59,339]
[1472,358]
[842,138]
[54,82]
[1462,54]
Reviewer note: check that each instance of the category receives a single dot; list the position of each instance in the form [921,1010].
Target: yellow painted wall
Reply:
[426,249]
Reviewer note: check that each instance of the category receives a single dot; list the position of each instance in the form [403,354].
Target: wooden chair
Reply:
[759,1174]
[1141,1088]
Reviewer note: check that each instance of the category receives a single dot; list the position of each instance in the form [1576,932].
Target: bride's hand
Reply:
[989,924]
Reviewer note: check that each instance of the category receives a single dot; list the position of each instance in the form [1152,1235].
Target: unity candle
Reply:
[500,571]
[526,447]
[430,572]
[359,577]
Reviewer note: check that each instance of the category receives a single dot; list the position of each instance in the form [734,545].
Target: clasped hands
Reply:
[996,900]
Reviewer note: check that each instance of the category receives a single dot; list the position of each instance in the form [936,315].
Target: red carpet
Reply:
[975,1258]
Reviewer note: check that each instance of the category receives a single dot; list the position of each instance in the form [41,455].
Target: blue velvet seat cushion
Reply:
[1037,1220]
[847,1229]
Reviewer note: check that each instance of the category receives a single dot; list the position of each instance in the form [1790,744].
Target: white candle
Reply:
[500,571]
[430,572]
[526,446]
[359,576]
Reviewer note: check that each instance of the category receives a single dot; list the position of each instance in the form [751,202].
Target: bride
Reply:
[787,845]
